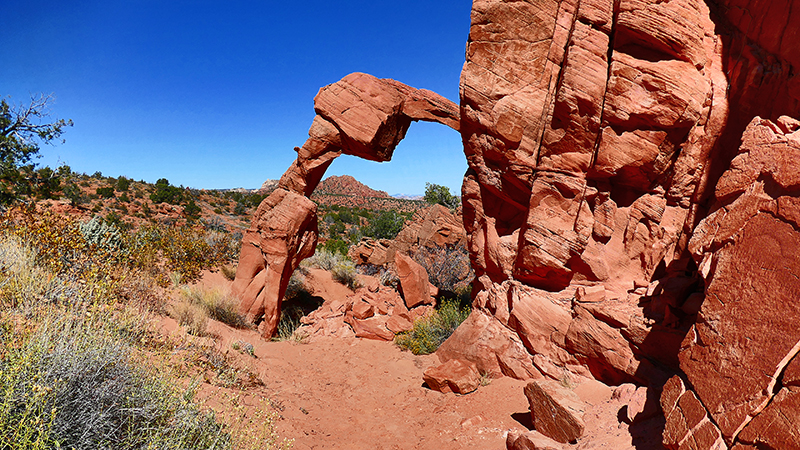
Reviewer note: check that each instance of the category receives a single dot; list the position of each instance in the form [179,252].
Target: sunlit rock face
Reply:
[631,203]
[359,115]
[597,134]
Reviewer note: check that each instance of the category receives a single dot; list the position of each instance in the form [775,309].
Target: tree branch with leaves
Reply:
[23,128]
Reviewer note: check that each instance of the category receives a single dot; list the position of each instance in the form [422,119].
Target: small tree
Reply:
[191,210]
[166,193]
[22,129]
[435,193]
[386,225]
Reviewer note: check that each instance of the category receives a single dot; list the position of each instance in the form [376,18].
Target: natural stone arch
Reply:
[359,115]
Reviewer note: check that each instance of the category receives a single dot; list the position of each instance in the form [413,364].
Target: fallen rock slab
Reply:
[557,412]
[456,375]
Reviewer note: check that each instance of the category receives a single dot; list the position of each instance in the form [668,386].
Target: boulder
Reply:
[493,348]
[455,375]
[371,328]
[414,283]
[557,412]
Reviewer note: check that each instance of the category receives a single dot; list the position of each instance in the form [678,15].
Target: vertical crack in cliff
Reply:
[609,57]
[770,390]
[552,93]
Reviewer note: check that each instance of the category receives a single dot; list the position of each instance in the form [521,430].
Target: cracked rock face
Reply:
[737,355]
[599,134]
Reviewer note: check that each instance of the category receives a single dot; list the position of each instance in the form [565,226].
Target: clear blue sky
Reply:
[217,94]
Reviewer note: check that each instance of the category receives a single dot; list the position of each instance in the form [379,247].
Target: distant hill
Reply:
[347,185]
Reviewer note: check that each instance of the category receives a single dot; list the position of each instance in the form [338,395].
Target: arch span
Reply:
[360,115]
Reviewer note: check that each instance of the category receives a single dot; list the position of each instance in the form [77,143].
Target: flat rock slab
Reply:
[556,411]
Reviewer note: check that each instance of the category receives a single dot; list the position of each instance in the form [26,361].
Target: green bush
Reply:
[166,193]
[105,192]
[123,184]
[191,210]
[386,225]
[430,332]
[437,194]
[336,246]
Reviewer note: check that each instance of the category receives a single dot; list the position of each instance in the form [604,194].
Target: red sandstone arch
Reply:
[359,115]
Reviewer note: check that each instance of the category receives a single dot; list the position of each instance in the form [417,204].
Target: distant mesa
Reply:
[347,185]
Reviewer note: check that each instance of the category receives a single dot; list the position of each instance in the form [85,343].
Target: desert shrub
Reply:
[74,194]
[323,259]
[166,193]
[72,383]
[101,234]
[187,250]
[218,305]
[123,184]
[191,210]
[448,267]
[228,271]
[336,246]
[386,225]
[342,269]
[344,272]
[215,224]
[428,333]
[124,197]
[389,278]
[437,194]
[191,315]
[104,192]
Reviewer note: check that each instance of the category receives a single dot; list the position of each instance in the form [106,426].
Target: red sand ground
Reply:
[350,393]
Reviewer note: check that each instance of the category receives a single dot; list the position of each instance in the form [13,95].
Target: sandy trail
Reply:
[351,393]
[335,393]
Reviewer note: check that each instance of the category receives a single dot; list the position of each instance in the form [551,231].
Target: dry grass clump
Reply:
[229,271]
[213,303]
[342,269]
[428,333]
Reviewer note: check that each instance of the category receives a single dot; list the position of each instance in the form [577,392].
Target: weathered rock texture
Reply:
[621,221]
[433,227]
[597,134]
[360,115]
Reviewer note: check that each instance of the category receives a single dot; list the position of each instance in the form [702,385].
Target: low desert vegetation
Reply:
[429,332]
[81,365]
[215,304]
[342,268]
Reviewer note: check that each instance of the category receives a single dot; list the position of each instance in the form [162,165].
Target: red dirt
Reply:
[350,393]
